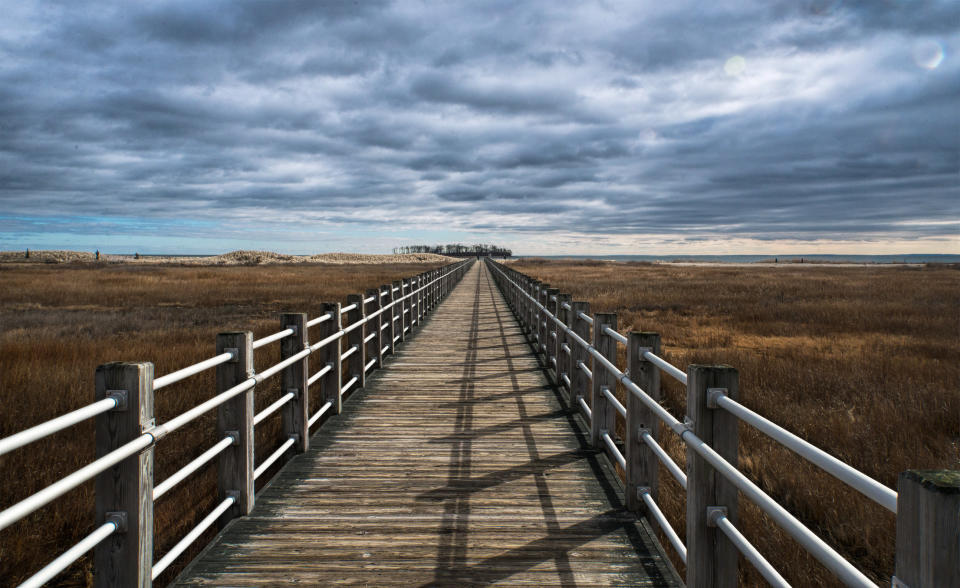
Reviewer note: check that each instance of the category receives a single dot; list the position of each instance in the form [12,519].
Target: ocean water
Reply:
[911,258]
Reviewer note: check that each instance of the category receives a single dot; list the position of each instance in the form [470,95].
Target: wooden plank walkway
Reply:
[457,465]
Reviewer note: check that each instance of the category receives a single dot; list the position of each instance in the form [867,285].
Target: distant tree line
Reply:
[457,250]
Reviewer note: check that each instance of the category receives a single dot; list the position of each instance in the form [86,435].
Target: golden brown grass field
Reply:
[58,322]
[863,362]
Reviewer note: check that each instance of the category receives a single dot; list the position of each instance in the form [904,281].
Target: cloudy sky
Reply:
[546,126]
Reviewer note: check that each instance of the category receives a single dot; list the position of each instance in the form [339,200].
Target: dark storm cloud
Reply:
[838,122]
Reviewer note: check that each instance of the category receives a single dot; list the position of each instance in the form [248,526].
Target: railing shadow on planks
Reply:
[579,352]
[126,433]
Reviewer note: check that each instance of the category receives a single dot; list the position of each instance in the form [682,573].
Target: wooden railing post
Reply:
[562,358]
[642,463]
[530,325]
[375,347]
[535,323]
[390,316]
[579,382]
[329,355]
[355,337]
[420,282]
[235,419]
[124,493]
[543,327]
[711,557]
[602,410]
[395,294]
[404,310]
[548,353]
[294,379]
[533,289]
[928,529]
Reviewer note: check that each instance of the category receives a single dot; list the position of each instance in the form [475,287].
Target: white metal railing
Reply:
[436,287]
[843,569]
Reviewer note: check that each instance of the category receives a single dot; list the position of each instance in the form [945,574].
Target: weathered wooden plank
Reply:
[458,465]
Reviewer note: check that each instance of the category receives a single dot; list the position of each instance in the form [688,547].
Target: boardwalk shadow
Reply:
[555,542]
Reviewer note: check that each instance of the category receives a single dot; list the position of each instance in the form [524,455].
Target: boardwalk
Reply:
[457,465]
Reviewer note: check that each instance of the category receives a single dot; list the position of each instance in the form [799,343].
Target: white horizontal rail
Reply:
[357,324]
[665,459]
[346,386]
[161,431]
[585,317]
[319,413]
[350,352]
[50,427]
[323,317]
[847,474]
[280,366]
[664,524]
[258,343]
[329,339]
[190,370]
[68,483]
[615,451]
[385,349]
[769,573]
[347,309]
[319,374]
[258,418]
[369,337]
[825,554]
[843,569]
[583,367]
[370,299]
[615,335]
[384,326]
[190,537]
[71,555]
[369,364]
[673,371]
[584,407]
[616,403]
[191,467]
[273,458]
[565,379]
[565,348]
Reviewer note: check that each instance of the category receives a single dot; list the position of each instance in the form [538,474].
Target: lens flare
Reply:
[928,54]
[735,65]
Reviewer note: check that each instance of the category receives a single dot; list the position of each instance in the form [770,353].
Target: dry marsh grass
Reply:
[57,323]
[864,362]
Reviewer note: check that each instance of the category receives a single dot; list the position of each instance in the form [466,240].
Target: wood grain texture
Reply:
[711,557]
[235,416]
[642,465]
[125,558]
[294,379]
[458,465]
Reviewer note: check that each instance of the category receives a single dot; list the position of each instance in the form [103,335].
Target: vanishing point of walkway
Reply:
[457,465]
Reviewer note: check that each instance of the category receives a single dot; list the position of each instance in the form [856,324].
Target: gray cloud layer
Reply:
[513,118]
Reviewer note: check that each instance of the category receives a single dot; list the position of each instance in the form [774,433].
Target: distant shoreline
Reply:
[226,259]
[812,259]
